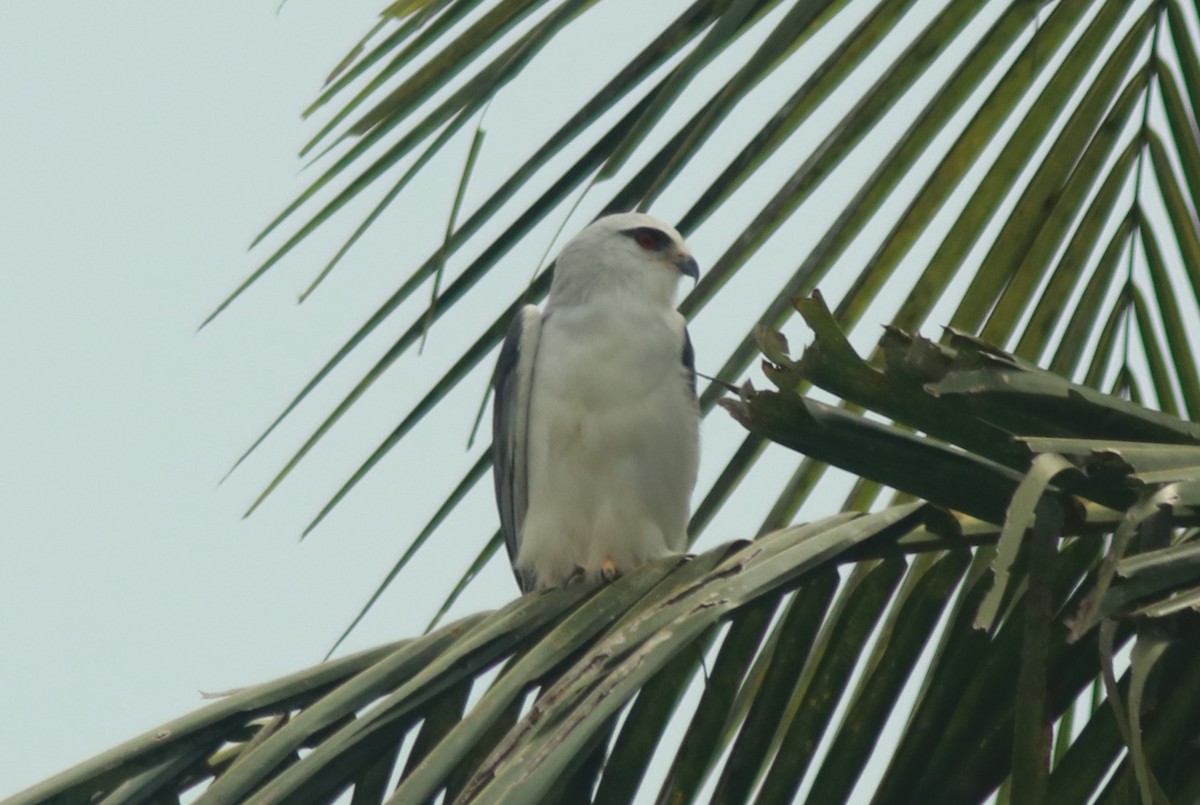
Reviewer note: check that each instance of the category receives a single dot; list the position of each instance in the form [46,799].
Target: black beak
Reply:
[688,267]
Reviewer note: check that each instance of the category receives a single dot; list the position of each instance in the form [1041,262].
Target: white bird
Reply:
[595,425]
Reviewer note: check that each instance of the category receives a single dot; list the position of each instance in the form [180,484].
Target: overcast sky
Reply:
[142,145]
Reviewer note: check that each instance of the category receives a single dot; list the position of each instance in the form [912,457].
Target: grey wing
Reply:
[513,382]
[689,362]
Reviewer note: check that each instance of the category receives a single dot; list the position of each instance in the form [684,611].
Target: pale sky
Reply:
[143,144]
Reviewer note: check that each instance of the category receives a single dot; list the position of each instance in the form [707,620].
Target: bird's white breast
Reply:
[612,443]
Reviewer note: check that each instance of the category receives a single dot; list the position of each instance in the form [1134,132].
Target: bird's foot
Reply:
[577,575]
[608,569]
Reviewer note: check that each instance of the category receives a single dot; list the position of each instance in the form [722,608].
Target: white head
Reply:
[627,254]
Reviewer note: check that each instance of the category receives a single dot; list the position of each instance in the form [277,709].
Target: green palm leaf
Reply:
[1055,607]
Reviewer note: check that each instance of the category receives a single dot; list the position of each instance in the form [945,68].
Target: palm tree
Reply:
[1003,604]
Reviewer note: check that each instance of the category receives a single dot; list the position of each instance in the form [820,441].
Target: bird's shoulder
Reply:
[523,328]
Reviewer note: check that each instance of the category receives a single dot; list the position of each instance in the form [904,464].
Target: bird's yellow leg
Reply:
[608,570]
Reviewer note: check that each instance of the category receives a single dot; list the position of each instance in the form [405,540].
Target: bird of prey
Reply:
[596,426]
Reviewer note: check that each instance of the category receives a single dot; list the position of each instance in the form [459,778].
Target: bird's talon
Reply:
[608,570]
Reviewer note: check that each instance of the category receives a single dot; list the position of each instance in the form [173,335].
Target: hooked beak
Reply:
[688,266]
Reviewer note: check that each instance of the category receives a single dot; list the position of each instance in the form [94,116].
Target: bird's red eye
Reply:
[646,241]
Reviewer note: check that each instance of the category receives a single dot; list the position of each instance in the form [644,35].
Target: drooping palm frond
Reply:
[1009,614]
[1076,453]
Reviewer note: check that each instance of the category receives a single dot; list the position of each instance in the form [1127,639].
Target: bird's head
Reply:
[628,253]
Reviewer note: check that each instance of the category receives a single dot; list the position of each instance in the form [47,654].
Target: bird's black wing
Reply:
[689,362]
[513,382]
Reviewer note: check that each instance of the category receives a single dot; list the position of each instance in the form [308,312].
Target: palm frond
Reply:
[1056,606]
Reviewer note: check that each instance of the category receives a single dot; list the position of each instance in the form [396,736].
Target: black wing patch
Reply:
[513,383]
[689,362]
